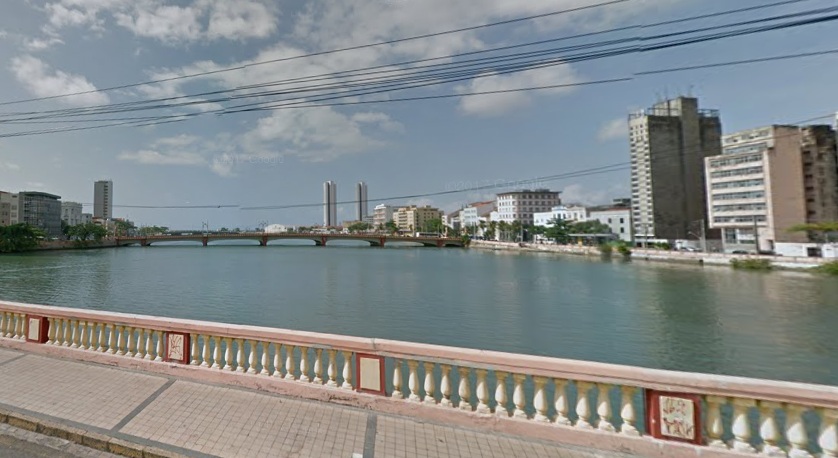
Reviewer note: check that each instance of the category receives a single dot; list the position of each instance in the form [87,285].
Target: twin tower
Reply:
[330,203]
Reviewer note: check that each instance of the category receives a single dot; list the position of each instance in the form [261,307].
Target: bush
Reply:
[606,249]
[829,268]
[624,250]
[752,264]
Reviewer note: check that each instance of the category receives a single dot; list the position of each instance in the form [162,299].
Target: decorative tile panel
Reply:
[176,347]
[674,416]
[369,371]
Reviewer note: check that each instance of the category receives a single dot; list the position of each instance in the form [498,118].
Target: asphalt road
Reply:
[18,443]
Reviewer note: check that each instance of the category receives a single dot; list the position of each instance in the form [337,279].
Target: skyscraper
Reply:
[361,201]
[103,199]
[330,207]
[669,142]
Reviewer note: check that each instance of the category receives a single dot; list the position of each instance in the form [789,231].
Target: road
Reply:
[18,443]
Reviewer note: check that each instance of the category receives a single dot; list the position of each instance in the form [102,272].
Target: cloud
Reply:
[152,157]
[39,44]
[498,104]
[615,129]
[165,23]
[240,20]
[42,81]
[9,166]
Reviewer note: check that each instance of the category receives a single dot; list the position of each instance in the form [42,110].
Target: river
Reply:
[779,325]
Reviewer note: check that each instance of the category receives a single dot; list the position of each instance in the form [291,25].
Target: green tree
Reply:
[491,231]
[123,228]
[590,227]
[558,230]
[19,237]
[87,232]
[817,231]
[503,228]
[391,227]
[65,229]
[515,229]
[359,227]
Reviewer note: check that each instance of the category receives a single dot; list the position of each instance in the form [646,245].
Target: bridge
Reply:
[263,238]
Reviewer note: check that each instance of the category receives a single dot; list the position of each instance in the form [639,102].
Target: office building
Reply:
[472,214]
[616,218]
[669,142]
[522,205]
[381,215]
[573,213]
[41,210]
[103,199]
[71,213]
[9,208]
[415,219]
[770,179]
[361,209]
[86,218]
[330,205]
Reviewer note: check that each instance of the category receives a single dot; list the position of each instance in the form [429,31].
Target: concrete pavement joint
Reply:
[369,437]
[12,360]
[142,406]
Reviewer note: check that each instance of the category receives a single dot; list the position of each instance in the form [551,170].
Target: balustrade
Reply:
[775,426]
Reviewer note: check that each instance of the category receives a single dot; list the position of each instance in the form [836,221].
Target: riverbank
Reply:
[72,245]
[679,257]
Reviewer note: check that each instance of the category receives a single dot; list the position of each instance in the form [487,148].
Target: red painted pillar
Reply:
[381,241]
[204,240]
[440,243]
[323,240]
[143,242]
[264,241]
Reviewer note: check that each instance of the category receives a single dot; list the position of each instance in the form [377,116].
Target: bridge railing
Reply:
[745,415]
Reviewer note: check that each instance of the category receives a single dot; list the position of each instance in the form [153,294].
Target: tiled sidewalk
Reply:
[195,419]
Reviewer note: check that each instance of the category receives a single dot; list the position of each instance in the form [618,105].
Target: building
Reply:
[276,229]
[71,213]
[471,215]
[9,208]
[382,214]
[415,219]
[86,218]
[522,205]
[41,210]
[330,204]
[103,199]
[361,209]
[575,213]
[669,142]
[770,179]
[617,218]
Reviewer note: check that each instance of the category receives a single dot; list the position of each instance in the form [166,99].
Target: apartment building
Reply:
[415,219]
[523,205]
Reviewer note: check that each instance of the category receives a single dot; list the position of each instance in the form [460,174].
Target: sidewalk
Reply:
[133,410]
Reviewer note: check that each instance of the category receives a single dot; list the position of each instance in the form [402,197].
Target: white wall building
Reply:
[9,208]
[381,215]
[71,213]
[573,213]
[522,205]
[471,216]
[618,219]
[276,229]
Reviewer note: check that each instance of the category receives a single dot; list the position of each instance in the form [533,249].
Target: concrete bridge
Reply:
[378,240]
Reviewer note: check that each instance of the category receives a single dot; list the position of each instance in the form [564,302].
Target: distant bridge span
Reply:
[263,239]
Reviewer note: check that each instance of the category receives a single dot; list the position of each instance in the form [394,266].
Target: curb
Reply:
[83,437]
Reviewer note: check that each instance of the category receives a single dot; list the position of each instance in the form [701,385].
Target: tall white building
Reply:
[472,214]
[9,208]
[361,208]
[381,215]
[522,205]
[618,219]
[103,199]
[330,205]
[71,213]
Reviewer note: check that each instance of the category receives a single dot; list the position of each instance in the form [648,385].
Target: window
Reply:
[622,220]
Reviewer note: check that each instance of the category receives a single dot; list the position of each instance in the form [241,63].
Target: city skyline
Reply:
[276,158]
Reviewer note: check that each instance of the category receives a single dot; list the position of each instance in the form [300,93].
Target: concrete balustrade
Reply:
[737,415]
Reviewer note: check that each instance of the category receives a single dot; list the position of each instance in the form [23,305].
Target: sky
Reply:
[282,157]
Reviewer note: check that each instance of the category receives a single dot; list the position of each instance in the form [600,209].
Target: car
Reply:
[739,252]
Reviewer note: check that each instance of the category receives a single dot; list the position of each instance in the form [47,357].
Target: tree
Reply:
[515,228]
[491,230]
[65,229]
[503,228]
[433,225]
[84,233]
[482,225]
[123,228]
[359,227]
[391,227]
[224,229]
[590,227]
[824,229]
[558,230]
[19,237]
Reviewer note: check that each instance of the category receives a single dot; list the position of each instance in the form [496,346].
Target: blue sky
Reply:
[282,157]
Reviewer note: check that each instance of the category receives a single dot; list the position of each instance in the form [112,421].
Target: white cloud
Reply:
[165,23]
[240,19]
[382,120]
[39,44]
[615,129]
[9,166]
[152,157]
[42,81]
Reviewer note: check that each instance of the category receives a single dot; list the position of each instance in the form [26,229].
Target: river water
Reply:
[779,325]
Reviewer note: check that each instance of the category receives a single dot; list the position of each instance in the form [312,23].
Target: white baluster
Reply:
[482,392]
[583,408]
[19,326]
[429,384]
[142,348]
[741,427]
[240,361]
[562,405]
[397,379]
[289,362]
[149,348]
[768,430]
[413,381]
[205,361]
[304,365]
[445,386]
[84,339]
[828,437]
[216,354]
[228,354]
[266,370]
[604,408]
[253,351]
[518,396]
[277,361]
[318,366]
[131,342]
[347,370]
[627,412]
[87,342]
[120,341]
[331,369]
[50,332]
[158,353]
[715,427]
[464,389]
[3,325]
[75,324]
[540,399]
[500,394]
[796,432]
[196,355]
[112,339]
[99,338]
[68,333]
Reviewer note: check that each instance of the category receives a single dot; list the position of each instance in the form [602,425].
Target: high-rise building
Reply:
[669,142]
[41,210]
[415,219]
[103,199]
[770,179]
[382,214]
[522,205]
[330,206]
[9,208]
[71,213]
[361,201]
